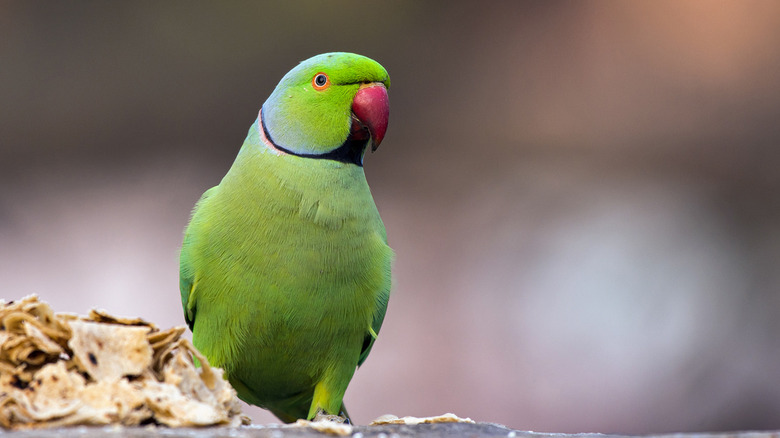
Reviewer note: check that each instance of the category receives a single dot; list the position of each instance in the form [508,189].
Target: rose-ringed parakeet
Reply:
[285,267]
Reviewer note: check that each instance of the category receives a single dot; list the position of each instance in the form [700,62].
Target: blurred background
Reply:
[583,197]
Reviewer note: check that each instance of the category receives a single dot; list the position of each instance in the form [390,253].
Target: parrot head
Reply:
[330,106]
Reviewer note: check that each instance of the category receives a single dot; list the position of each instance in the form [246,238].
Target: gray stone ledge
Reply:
[384,431]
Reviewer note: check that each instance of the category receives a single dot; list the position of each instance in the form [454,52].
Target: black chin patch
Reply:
[350,152]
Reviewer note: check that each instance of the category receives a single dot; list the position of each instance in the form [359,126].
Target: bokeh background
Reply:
[583,196]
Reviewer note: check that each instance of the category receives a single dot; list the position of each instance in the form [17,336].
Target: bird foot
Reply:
[321,415]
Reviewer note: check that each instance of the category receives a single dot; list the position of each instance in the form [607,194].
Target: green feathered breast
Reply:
[285,267]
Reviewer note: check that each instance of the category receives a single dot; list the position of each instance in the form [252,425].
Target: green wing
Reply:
[186,271]
[376,324]
[185,287]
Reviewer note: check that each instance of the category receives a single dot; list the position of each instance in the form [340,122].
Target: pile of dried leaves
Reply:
[60,369]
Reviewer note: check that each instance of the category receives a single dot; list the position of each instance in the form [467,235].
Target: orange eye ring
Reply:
[320,81]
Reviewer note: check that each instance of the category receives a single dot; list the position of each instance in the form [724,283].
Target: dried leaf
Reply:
[110,351]
[159,339]
[59,369]
[446,418]
[97,315]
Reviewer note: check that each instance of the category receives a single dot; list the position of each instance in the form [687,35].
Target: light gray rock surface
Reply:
[384,431]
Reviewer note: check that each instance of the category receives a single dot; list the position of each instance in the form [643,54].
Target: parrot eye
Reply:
[320,81]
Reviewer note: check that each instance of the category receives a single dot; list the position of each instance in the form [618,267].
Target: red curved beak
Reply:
[372,108]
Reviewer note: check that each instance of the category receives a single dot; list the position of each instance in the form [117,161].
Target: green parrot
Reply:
[285,267]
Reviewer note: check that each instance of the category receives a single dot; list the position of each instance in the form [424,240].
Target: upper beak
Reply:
[372,108]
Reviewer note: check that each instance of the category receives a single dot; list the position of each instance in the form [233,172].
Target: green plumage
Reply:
[285,268]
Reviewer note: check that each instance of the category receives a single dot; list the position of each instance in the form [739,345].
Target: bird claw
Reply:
[321,415]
